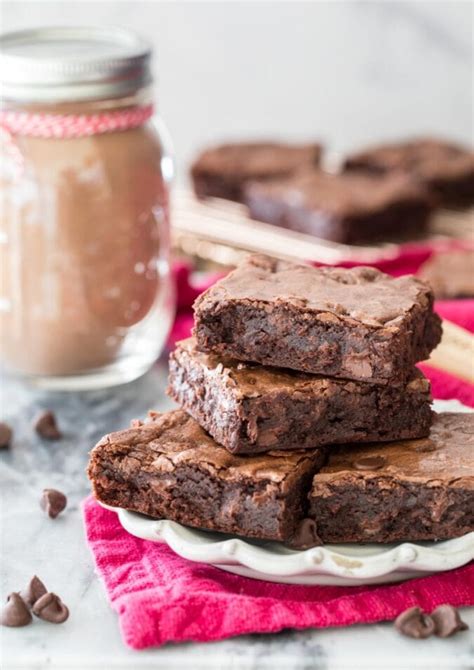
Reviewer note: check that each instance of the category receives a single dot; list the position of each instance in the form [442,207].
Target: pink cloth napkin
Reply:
[161,597]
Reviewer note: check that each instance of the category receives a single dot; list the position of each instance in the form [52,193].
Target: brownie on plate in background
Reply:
[356,324]
[450,274]
[413,490]
[222,171]
[346,208]
[250,409]
[445,168]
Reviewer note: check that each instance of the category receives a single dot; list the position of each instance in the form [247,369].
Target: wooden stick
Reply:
[222,224]
[455,352]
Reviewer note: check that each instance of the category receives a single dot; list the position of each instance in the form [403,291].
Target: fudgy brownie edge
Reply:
[357,324]
[413,490]
[169,468]
[251,409]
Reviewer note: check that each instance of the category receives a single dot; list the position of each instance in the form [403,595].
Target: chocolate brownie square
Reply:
[356,324]
[252,409]
[347,208]
[223,171]
[445,168]
[450,274]
[411,490]
[169,468]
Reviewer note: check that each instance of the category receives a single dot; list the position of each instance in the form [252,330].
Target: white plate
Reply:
[340,565]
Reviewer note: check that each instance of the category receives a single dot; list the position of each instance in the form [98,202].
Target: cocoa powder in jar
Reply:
[83,227]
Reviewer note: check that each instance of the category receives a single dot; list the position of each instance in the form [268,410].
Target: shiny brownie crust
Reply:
[445,168]
[348,208]
[251,409]
[224,170]
[169,468]
[414,490]
[356,324]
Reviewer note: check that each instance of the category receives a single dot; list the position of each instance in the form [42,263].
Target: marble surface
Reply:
[345,72]
[56,551]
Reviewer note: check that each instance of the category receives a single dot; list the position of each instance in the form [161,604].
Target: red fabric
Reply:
[161,597]
[187,291]
[409,258]
[445,386]
[457,311]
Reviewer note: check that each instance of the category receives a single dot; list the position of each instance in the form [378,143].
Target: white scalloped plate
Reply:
[339,565]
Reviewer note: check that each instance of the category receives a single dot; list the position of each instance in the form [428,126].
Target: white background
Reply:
[344,72]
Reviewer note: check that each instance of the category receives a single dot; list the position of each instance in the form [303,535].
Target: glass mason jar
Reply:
[85,298]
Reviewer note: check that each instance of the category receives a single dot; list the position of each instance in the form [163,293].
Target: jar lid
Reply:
[60,64]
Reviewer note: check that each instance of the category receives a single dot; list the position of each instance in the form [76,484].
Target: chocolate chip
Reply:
[447,621]
[6,435]
[33,591]
[415,623]
[53,502]
[51,608]
[369,463]
[15,613]
[46,426]
[306,535]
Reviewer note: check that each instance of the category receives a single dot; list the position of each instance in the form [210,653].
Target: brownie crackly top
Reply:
[251,380]
[445,457]
[427,158]
[342,195]
[247,160]
[175,439]
[363,294]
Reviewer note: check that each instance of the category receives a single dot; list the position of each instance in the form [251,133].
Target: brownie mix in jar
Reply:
[85,297]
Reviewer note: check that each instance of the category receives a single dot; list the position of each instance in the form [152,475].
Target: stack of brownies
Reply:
[304,419]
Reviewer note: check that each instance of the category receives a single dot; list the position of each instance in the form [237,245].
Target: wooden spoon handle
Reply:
[455,352]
